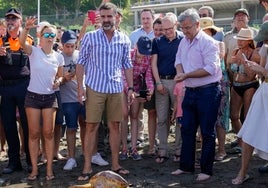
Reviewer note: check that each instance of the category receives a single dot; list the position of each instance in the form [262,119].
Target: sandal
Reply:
[235,150]
[176,158]
[220,157]
[32,177]
[50,177]
[161,159]
[121,171]
[84,176]
[239,180]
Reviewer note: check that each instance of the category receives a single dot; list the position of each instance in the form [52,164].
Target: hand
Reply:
[68,76]
[30,22]
[180,77]
[81,95]
[161,89]
[130,97]
[265,5]
[3,51]
[255,67]
[56,84]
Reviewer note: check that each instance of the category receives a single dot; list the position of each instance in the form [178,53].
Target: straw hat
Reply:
[207,23]
[244,34]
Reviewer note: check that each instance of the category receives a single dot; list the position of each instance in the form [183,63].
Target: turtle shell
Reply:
[108,179]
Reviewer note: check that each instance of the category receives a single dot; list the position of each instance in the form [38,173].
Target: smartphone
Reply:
[143,93]
[245,58]
[91,15]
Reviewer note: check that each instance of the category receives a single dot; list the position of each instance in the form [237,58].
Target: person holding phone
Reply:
[143,85]
[104,87]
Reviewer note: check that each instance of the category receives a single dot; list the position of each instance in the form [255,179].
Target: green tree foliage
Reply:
[68,13]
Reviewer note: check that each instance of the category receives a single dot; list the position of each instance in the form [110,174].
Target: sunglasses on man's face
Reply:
[11,19]
[47,35]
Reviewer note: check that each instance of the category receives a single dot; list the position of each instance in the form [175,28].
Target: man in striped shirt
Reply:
[104,54]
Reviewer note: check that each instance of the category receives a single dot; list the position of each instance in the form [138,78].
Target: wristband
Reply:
[158,83]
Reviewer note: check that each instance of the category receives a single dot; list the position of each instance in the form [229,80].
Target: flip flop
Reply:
[161,159]
[84,176]
[121,171]
[176,158]
[50,177]
[239,180]
[32,177]
[220,157]
[235,150]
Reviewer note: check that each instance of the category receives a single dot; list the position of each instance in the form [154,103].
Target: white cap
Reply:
[41,25]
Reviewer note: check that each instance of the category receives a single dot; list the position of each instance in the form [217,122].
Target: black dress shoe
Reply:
[11,168]
[263,169]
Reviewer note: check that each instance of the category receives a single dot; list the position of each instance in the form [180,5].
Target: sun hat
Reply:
[207,23]
[241,10]
[144,45]
[69,37]
[244,34]
[263,33]
[14,12]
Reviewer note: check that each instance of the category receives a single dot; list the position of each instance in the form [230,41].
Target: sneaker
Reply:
[123,155]
[135,155]
[70,164]
[98,160]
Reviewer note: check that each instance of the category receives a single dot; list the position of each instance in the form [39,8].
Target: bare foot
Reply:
[179,172]
[202,177]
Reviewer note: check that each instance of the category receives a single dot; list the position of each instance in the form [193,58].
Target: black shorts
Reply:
[150,105]
[40,101]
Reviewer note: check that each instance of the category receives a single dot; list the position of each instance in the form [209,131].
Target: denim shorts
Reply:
[40,101]
[71,112]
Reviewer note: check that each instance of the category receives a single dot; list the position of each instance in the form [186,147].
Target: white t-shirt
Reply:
[43,70]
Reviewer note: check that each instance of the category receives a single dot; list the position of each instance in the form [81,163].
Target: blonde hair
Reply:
[49,26]
[3,22]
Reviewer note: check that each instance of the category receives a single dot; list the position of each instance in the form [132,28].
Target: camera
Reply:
[143,93]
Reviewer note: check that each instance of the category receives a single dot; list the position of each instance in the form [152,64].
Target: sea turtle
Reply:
[105,179]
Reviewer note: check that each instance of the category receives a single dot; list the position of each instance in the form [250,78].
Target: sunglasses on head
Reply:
[47,35]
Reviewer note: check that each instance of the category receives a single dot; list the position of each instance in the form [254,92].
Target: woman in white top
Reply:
[40,101]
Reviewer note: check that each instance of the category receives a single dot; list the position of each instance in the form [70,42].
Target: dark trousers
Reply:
[12,97]
[200,107]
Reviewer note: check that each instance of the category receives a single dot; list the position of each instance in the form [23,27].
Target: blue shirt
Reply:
[104,60]
[219,36]
[166,53]
[135,35]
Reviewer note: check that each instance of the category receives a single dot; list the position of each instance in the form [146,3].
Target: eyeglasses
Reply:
[47,35]
[187,28]
[203,15]
[168,29]
[11,19]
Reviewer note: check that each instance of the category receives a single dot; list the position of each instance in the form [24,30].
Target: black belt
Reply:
[203,86]
[167,77]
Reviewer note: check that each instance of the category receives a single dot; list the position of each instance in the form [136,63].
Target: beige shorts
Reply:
[96,103]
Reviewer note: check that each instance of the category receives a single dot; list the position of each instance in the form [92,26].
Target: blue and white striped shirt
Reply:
[104,61]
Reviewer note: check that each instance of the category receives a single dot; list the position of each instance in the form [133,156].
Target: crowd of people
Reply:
[198,78]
